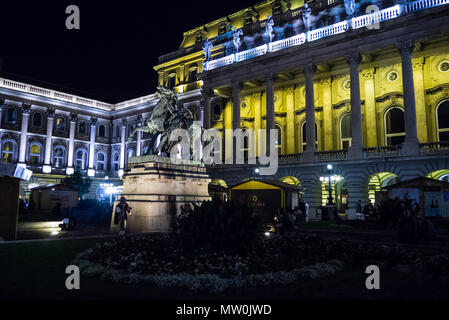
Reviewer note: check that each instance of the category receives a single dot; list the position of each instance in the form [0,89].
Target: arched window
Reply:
[11,115]
[345,131]
[217,112]
[60,124]
[222,28]
[102,131]
[82,127]
[58,157]
[443,121]
[35,154]
[37,119]
[80,159]
[278,140]
[394,126]
[304,136]
[101,161]
[277,8]
[248,19]
[116,161]
[8,149]
[171,82]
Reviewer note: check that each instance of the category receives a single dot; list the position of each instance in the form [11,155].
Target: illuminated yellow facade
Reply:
[380,89]
[397,113]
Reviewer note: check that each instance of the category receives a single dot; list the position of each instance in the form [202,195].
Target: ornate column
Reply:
[370,108]
[420,100]
[93,133]
[26,110]
[257,100]
[206,94]
[309,153]
[47,158]
[69,170]
[356,149]
[270,109]
[411,143]
[328,122]
[290,121]
[122,148]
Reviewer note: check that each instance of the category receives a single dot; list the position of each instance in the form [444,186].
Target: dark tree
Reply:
[77,181]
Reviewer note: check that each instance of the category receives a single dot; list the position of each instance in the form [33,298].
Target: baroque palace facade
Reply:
[363,86]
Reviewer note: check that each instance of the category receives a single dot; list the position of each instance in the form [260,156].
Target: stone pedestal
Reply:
[156,189]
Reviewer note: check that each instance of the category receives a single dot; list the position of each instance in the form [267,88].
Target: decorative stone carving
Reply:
[309,69]
[257,96]
[73,117]
[26,108]
[368,73]
[405,47]
[326,82]
[93,121]
[50,113]
[418,63]
[353,58]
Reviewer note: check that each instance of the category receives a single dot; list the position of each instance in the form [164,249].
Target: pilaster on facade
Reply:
[328,128]
[73,118]
[26,110]
[270,110]
[290,125]
[370,107]
[420,98]
[46,168]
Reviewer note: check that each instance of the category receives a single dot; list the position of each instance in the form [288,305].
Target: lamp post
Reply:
[256,172]
[330,178]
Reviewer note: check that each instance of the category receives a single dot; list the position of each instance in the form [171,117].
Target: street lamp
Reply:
[330,179]
[257,172]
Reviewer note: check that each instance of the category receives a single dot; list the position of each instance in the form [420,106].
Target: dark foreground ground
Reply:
[36,270]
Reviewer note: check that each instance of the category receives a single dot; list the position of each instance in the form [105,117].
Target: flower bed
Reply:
[160,260]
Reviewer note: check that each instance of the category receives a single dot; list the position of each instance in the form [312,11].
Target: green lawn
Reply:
[36,270]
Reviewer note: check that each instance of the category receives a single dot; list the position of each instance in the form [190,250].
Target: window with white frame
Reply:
[101,161]
[443,121]
[304,136]
[394,126]
[35,153]
[80,159]
[58,156]
[345,131]
[8,149]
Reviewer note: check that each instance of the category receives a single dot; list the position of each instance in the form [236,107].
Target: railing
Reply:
[327,31]
[221,62]
[287,43]
[341,27]
[18,86]
[251,53]
[333,155]
[290,157]
[434,148]
[425,4]
[382,151]
[376,17]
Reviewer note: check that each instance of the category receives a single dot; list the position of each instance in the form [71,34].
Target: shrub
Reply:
[217,225]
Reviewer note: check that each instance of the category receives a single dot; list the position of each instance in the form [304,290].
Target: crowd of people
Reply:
[287,220]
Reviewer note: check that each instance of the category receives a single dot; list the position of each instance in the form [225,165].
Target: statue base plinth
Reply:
[156,189]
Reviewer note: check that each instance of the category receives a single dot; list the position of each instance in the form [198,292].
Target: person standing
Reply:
[122,211]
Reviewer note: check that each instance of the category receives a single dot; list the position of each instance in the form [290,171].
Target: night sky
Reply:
[111,57]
